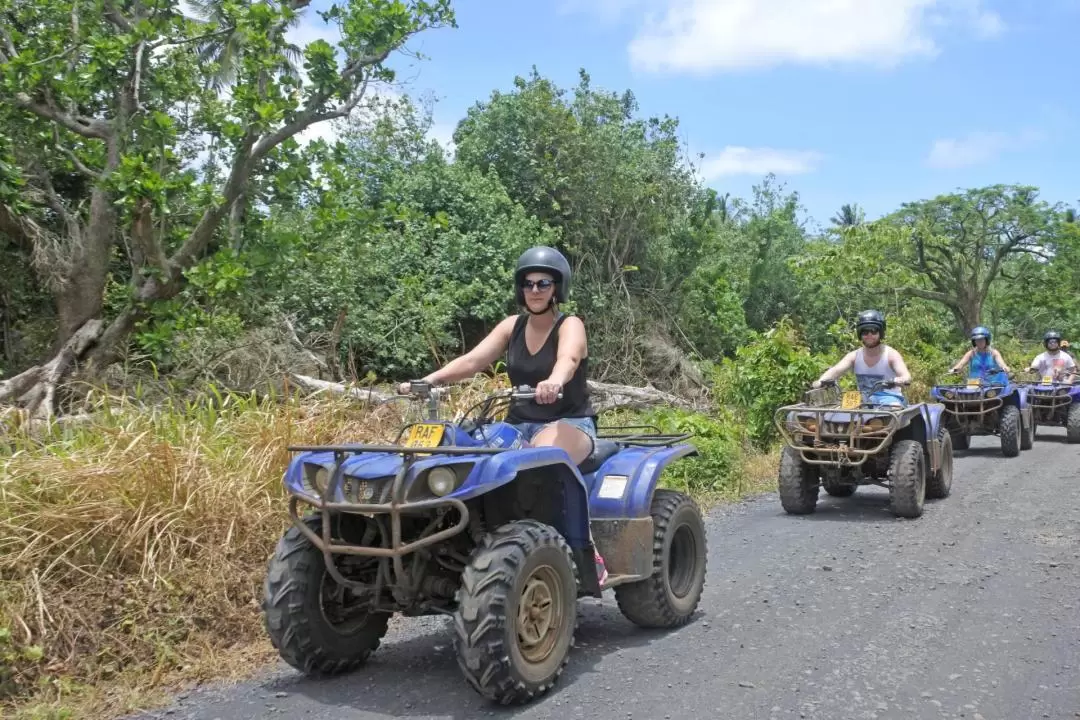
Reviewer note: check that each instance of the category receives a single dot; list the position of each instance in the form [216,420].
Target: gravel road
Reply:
[971,611]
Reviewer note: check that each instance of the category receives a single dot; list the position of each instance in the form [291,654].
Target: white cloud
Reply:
[443,133]
[708,35]
[976,148]
[737,160]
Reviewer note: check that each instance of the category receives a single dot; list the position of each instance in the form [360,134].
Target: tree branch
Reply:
[75,161]
[79,125]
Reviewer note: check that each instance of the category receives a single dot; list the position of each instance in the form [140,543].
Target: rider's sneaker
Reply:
[601,569]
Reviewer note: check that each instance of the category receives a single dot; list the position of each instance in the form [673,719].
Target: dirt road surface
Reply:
[971,611]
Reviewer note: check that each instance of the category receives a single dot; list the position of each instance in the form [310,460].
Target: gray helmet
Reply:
[870,319]
[543,259]
[1051,335]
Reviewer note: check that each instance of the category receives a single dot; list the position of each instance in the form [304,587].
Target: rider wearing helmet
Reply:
[986,362]
[544,349]
[872,363]
[1055,362]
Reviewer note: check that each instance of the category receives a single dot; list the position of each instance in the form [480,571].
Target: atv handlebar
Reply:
[879,385]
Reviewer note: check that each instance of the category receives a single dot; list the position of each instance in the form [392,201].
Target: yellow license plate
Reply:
[1047,379]
[973,382]
[427,435]
[851,400]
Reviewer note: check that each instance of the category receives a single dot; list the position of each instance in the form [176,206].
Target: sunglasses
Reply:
[538,285]
[869,331]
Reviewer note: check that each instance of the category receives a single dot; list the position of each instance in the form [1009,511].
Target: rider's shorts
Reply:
[585,424]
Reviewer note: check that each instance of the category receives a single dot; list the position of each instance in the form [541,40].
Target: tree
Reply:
[850,215]
[962,243]
[111,114]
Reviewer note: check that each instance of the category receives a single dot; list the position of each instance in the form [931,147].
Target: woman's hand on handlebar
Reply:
[547,392]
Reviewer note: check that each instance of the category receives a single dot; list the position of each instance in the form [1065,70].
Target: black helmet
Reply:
[981,332]
[544,259]
[1051,335]
[870,319]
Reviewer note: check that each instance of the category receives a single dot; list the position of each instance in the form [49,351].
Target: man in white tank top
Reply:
[872,363]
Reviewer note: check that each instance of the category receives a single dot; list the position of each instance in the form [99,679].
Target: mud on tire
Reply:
[798,483]
[907,473]
[295,611]
[940,484]
[1010,431]
[1072,424]
[517,609]
[669,597]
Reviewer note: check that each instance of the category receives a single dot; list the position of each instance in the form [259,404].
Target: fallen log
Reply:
[605,396]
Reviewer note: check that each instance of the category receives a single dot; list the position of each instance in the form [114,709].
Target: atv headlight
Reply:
[993,393]
[441,481]
[875,424]
[317,478]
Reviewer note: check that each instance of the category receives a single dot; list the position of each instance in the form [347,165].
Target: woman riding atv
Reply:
[544,349]
[873,363]
[986,362]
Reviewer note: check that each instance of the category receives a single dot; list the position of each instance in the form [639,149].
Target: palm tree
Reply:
[850,215]
[225,47]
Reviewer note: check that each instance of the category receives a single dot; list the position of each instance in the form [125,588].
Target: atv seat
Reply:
[602,450]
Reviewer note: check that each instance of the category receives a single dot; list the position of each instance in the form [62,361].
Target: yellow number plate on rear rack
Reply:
[426,435]
[851,400]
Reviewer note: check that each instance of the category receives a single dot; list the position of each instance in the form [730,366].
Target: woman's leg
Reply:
[577,443]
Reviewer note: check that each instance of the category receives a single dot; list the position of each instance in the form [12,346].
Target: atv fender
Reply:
[623,486]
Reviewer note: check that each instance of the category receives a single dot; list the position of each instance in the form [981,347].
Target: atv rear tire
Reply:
[960,440]
[940,485]
[798,483]
[295,611]
[1027,433]
[669,597]
[1072,424]
[1010,431]
[907,472]
[835,486]
[517,609]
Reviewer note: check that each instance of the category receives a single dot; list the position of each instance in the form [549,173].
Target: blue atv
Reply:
[464,519]
[1056,402]
[982,407]
[839,441]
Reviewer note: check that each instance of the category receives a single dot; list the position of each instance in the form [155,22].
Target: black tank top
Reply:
[526,369]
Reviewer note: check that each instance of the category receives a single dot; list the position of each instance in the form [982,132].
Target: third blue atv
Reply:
[982,407]
[1056,402]
[463,519]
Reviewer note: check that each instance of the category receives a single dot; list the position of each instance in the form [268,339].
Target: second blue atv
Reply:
[465,520]
[984,407]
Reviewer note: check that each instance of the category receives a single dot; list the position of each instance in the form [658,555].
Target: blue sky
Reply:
[869,101]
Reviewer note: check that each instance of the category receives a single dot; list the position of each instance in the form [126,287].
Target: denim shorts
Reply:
[585,424]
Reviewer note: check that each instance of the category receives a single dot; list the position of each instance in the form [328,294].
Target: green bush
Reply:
[719,440]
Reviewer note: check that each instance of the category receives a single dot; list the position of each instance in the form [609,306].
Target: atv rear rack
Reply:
[655,438]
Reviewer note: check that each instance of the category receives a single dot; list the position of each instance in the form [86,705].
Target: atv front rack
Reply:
[830,435]
[973,403]
[1053,398]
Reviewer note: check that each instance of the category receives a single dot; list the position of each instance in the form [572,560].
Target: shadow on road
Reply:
[419,676]
[869,504]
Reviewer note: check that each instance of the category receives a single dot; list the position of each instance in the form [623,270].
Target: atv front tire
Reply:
[1010,431]
[669,597]
[1027,433]
[907,472]
[517,608]
[798,483]
[940,485]
[305,613]
[1072,424]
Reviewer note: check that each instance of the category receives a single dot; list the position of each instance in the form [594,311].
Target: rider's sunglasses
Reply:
[540,285]
[869,331]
